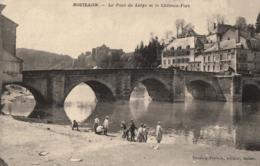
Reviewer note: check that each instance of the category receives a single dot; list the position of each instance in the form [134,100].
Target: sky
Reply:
[56,26]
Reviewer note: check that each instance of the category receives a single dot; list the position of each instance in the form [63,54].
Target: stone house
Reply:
[233,50]
[181,51]
[10,65]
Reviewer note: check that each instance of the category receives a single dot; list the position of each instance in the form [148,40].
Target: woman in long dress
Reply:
[159,132]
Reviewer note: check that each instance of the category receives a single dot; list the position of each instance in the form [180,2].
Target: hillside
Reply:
[40,60]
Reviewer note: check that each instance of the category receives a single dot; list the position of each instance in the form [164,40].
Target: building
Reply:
[104,50]
[225,48]
[233,50]
[85,60]
[10,65]
[181,51]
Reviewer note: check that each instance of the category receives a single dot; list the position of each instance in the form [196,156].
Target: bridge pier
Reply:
[56,90]
[230,88]
[123,87]
[178,88]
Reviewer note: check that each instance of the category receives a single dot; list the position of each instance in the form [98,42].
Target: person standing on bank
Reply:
[140,134]
[145,132]
[132,129]
[123,126]
[96,124]
[159,132]
[105,125]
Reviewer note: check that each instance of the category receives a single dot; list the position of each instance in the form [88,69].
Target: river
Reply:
[194,122]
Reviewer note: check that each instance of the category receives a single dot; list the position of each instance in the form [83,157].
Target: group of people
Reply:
[101,128]
[131,133]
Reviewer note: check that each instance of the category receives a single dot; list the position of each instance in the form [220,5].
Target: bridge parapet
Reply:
[51,87]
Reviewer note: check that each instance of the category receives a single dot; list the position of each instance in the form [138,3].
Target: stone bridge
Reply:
[51,87]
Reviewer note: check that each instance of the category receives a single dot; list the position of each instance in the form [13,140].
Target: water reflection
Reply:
[248,130]
[139,107]
[194,122]
[80,103]
[17,101]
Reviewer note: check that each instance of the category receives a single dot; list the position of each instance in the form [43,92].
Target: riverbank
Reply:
[25,144]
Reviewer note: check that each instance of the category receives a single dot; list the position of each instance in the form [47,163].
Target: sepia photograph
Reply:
[129,83]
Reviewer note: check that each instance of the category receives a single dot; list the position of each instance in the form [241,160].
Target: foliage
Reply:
[148,56]
[214,20]
[241,23]
[186,28]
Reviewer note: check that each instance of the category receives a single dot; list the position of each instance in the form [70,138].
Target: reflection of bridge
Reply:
[51,87]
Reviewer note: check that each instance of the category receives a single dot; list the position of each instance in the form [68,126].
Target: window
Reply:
[173,61]
[204,68]
[188,47]
[208,58]
[208,67]
[204,59]
[221,57]
[169,61]
[164,62]
[213,67]
[164,54]
[220,67]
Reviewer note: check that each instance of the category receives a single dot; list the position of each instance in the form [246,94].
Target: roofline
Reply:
[10,20]
[19,59]
[227,49]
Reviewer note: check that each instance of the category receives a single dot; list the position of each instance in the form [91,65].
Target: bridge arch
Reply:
[251,92]
[102,90]
[40,101]
[201,90]
[157,88]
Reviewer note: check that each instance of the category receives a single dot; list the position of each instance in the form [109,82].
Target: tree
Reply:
[185,28]
[257,25]
[168,36]
[214,20]
[220,19]
[146,56]
[241,23]
[188,28]
[179,24]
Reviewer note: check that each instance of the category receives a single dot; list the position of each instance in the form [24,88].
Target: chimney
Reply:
[214,25]
[218,45]
[237,35]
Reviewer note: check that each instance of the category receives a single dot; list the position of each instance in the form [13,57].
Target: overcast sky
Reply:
[57,26]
